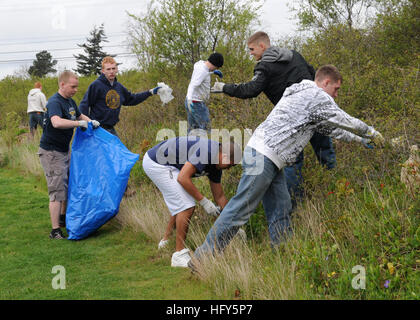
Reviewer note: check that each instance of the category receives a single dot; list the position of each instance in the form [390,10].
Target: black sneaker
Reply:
[57,234]
[62,220]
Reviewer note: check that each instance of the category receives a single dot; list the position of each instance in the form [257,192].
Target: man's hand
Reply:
[95,124]
[209,207]
[154,90]
[83,124]
[218,73]
[367,143]
[376,137]
[218,87]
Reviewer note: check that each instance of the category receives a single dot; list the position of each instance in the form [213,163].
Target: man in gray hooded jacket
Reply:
[276,70]
[305,108]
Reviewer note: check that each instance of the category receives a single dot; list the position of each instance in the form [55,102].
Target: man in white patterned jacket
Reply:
[305,108]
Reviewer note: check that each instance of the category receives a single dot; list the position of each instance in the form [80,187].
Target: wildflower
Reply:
[391,268]
[331,192]
[386,284]
[382,185]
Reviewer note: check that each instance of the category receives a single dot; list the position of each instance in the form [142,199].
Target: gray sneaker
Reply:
[57,234]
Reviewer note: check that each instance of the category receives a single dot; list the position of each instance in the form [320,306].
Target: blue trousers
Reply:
[198,116]
[266,184]
[324,151]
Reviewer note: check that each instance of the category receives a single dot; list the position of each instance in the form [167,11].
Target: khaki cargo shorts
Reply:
[56,168]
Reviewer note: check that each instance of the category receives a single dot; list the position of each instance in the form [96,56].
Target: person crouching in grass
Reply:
[171,165]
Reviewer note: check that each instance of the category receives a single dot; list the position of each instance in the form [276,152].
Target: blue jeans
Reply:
[35,119]
[198,116]
[268,186]
[325,154]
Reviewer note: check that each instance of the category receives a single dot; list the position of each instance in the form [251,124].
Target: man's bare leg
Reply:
[182,224]
[55,209]
[170,228]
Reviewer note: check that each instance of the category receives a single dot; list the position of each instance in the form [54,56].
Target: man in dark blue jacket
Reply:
[277,69]
[105,96]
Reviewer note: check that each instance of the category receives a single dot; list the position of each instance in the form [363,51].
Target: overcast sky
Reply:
[29,26]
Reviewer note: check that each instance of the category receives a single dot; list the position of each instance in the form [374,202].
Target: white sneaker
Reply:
[162,244]
[181,258]
[242,234]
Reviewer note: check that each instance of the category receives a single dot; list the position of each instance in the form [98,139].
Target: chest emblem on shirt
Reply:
[72,113]
[112,99]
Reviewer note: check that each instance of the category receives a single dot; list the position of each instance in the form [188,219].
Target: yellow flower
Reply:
[391,268]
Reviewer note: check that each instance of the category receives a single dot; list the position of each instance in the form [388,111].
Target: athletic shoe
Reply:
[242,234]
[62,221]
[162,244]
[181,258]
[57,234]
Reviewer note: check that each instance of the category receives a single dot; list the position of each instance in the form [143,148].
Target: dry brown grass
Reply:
[145,212]
[24,154]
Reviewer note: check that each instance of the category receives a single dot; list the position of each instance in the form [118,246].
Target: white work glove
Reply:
[83,124]
[95,124]
[154,90]
[209,207]
[218,87]
[375,137]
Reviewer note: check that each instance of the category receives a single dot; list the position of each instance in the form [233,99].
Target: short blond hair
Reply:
[328,71]
[108,59]
[66,75]
[38,85]
[260,36]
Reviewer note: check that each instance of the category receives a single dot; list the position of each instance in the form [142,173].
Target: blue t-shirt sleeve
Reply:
[54,109]
[215,175]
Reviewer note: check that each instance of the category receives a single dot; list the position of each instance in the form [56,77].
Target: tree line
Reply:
[173,34]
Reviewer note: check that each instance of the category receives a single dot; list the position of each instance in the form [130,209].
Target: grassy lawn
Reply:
[114,263]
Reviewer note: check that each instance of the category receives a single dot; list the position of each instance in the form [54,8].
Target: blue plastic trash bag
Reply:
[100,166]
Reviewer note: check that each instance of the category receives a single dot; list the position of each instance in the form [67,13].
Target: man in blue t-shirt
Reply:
[171,165]
[61,118]
[105,96]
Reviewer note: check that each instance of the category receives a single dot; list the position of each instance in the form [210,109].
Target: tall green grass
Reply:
[358,214]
